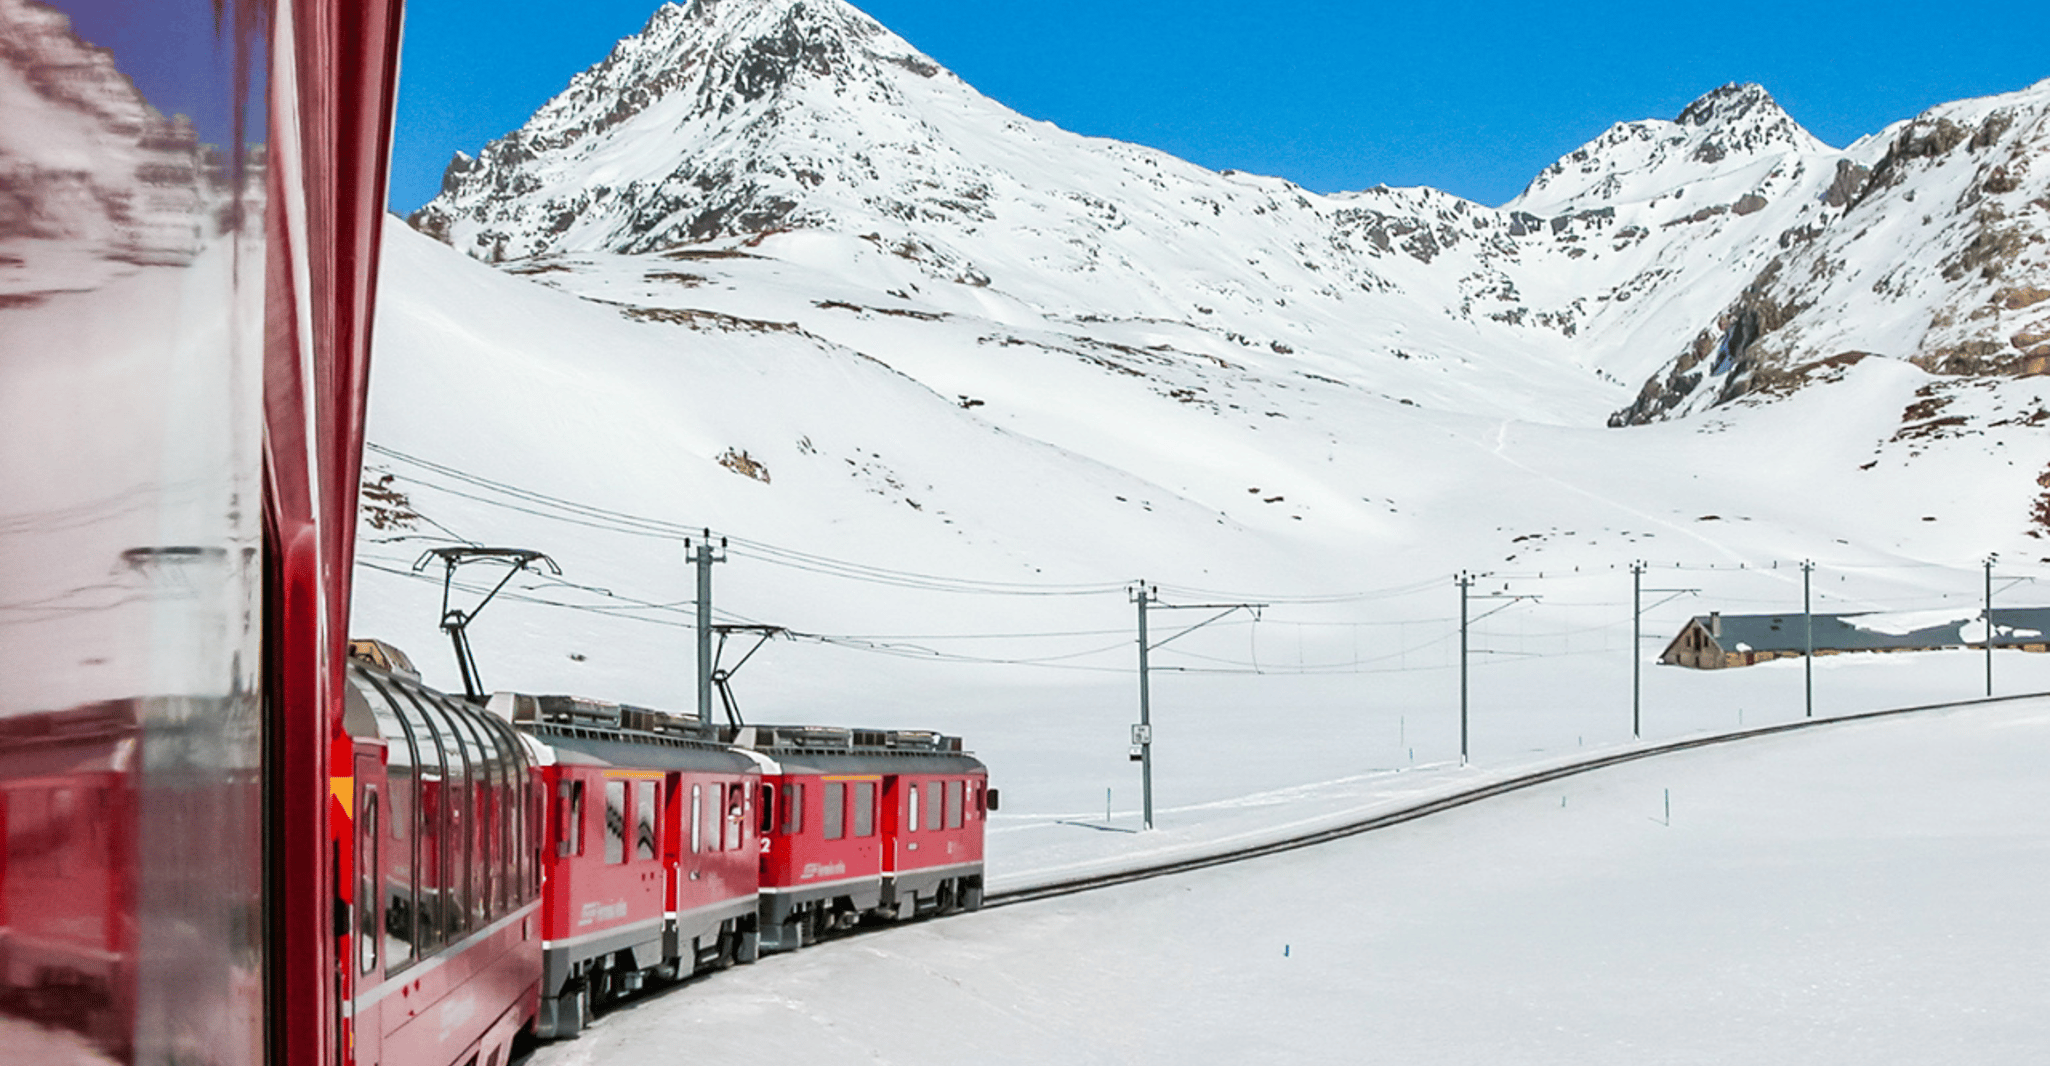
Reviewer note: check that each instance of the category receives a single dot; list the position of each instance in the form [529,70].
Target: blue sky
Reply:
[1474,98]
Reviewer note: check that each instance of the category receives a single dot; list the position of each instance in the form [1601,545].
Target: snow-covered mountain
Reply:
[1938,256]
[950,378]
[725,121]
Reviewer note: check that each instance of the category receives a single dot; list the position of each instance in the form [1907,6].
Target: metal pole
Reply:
[1808,638]
[703,557]
[1636,650]
[1145,719]
[1989,625]
[1464,583]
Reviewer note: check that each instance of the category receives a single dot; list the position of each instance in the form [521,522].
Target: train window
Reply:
[485,814]
[954,804]
[714,838]
[934,800]
[569,818]
[793,807]
[910,808]
[864,808]
[697,818]
[644,819]
[736,814]
[765,800]
[429,834]
[366,881]
[835,810]
[615,822]
[401,756]
[452,886]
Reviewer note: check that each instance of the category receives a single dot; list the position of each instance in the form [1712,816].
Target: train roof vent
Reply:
[834,738]
[577,711]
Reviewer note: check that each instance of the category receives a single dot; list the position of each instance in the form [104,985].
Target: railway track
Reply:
[1451,801]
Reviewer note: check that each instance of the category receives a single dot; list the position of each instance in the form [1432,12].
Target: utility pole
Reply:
[1148,598]
[1637,650]
[1808,638]
[1637,591]
[702,555]
[1465,582]
[1989,625]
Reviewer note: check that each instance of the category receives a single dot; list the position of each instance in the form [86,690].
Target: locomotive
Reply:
[522,861]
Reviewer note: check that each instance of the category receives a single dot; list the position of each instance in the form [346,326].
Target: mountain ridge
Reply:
[725,122]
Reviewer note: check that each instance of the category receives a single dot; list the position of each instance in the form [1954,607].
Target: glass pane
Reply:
[736,796]
[615,821]
[367,839]
[793,808]
[911,808]
[697,818]
[644,819]
[934,802]
[864,808]
[954,804]
[429,820]
[835,816]
[714,836]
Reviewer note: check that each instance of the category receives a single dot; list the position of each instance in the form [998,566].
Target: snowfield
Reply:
[1862,893]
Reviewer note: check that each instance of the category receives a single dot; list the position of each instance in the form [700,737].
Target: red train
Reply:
[517,865]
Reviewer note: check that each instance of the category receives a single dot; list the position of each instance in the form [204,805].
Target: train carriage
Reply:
[837,839]
[649,863]
[445,926]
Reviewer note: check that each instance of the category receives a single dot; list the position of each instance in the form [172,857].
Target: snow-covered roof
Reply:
[1877,630]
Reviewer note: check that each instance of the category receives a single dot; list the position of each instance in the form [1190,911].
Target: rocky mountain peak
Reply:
[1634,161]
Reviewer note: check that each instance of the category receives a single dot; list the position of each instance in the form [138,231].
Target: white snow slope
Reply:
[1866,893]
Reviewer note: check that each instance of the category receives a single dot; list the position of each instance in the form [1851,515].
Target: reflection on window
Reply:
[366,881]
[644,819]
[793,807]
[864,808]
[836,810]
[615,822]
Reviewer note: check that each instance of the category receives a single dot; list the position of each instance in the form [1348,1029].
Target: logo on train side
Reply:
[602,912]
[820,869]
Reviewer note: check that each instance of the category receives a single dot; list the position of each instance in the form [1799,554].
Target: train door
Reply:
[367,967]
[696,842]
[898,795]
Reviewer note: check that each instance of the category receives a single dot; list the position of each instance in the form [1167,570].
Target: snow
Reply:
[1862,893]
[1901,623]
[986,374]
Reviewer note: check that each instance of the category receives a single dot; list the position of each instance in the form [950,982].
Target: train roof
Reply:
[618,734]
[837,749]
[613,731]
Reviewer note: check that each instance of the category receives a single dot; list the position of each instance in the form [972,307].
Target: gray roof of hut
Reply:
[1878,630]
